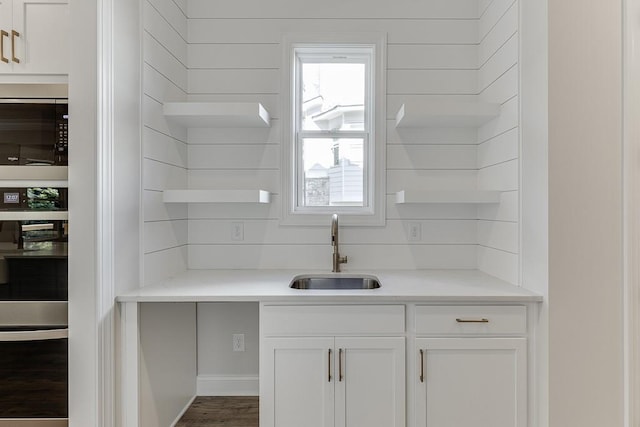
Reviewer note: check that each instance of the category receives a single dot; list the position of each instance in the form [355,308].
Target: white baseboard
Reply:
[227,385]
[183,411]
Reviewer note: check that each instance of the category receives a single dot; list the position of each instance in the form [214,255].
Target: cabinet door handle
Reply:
[483,320]
[421,365]
[340,365]
[14,34]
[329,366]
[3,34]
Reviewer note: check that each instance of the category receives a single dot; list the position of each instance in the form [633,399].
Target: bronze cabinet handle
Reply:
[14,34]
[421,365]
[329,365]
[483,320]
[340,365]
[3,34]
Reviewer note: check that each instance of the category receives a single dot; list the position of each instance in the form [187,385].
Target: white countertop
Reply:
[273,285]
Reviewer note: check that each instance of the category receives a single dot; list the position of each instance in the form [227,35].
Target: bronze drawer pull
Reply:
[329,370]
[340,365]
[14,34]
[421,365]
[3,34]
[483,320]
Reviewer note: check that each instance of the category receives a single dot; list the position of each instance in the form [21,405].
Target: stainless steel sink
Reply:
[334,282]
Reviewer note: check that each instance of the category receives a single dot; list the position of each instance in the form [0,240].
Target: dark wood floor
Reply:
[236,411]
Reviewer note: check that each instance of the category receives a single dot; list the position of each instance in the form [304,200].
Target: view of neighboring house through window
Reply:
[333,94]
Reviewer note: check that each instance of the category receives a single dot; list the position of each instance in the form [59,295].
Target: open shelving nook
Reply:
[217,115]
[446,114]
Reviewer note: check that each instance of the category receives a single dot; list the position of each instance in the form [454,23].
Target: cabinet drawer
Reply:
[471,320]
[279,320]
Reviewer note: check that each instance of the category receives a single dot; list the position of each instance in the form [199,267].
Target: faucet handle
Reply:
[343,260]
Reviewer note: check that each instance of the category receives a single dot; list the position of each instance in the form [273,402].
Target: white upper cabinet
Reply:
[35,40]
[6,24]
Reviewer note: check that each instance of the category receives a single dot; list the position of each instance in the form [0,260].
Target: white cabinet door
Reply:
[471,382]
[297,382]
[322,382]
[370,383]
[43,44]
[6,24]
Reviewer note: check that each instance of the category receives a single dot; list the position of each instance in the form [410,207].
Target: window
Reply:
[333,149]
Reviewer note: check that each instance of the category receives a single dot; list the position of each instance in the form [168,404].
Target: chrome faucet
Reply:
[337,260]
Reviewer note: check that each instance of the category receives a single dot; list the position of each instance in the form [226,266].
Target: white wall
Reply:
[585,213]
[632,204]
[163,145]
[167,361]
[220,369]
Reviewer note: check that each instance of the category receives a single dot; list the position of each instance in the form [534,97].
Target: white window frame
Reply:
[374,136]
[347,55]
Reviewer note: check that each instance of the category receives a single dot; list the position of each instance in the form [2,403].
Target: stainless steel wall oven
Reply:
[33,364]
[33,307]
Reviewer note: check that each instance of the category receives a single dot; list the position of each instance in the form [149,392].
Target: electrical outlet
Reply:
[414,232]
[238,342]
[237,231]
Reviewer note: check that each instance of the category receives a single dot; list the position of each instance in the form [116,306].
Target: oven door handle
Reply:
[38,335]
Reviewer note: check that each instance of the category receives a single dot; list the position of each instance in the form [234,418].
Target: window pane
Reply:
[333,96]
[333,172]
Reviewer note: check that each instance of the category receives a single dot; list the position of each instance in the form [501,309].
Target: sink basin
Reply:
[334,282]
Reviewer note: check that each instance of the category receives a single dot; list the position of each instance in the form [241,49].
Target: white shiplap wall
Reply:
[437,50]
[498,141]
[234,54]
[164,146]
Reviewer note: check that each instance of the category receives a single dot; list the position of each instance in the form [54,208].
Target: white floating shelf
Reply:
[406,196]
[446,114]
[217,114]
[34,176]
[34,215]
[216,196]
